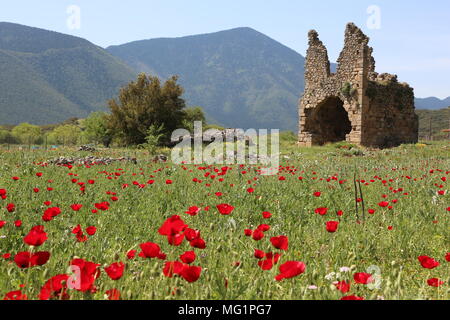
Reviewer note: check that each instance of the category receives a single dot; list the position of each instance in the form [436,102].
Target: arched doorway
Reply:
[329,121]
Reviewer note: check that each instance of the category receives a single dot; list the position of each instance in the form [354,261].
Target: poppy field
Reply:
[330,225]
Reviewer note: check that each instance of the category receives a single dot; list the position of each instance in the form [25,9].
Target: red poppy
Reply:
[91,230]
[27,259]
[428,263]
[11,207]
[343,286]
[321,211]
[352,298]
[15,295]
[317,194]
[290,270]
[191,273]
[55,287]
[172,226]
[332,226]
[102,205]
[113,294]
[76,207]
[363,278]
[51,213]
[193,211]
[18,223]
[171,268]
[257,235]
[36,236]
[198,243]
[2,223]
[264,227]
[175,239]
[115,270]
[188,257]
[281,242]
[191,234]
[131,254]
[78,232]
[270,261]
[88,273]
[151,250]
[384,204]
[266,215]
[435,282]
[259,254]
[447,257]
[225,209]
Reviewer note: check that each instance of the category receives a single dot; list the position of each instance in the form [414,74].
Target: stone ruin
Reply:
[355,104]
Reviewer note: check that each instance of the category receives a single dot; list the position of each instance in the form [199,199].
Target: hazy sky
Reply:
[410,37]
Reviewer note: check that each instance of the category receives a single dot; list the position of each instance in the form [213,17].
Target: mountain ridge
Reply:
[240,76]
[432,103]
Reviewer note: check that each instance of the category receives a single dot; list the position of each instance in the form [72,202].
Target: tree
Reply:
[26,133]
[191,115]
[65,134]
[5,136]
[96,129]
[143,103]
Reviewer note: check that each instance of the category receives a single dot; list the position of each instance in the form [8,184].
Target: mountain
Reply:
[240,77]
[432,103]
[47,77]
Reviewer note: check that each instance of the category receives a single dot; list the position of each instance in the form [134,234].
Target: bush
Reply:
[154,135]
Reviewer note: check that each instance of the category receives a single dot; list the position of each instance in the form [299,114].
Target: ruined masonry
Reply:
[355,104]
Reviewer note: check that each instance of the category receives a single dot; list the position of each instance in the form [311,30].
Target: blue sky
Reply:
[413,38]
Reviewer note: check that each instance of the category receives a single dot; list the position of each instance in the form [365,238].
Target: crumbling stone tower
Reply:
[355,104]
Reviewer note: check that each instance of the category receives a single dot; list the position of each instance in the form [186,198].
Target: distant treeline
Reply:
[94,129]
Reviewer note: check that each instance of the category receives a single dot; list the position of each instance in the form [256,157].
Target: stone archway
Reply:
[329,121]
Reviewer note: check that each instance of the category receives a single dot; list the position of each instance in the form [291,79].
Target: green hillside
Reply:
[440,120]
[47,77]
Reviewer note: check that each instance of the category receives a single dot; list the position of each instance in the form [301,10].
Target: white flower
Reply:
[312,287]
[330,276]
[345,269]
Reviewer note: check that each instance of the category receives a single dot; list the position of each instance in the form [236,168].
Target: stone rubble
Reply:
[90,160]
[86,148]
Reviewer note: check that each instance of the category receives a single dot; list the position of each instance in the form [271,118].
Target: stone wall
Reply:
[355,103]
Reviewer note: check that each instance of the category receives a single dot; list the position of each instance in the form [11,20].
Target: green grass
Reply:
[137,215]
